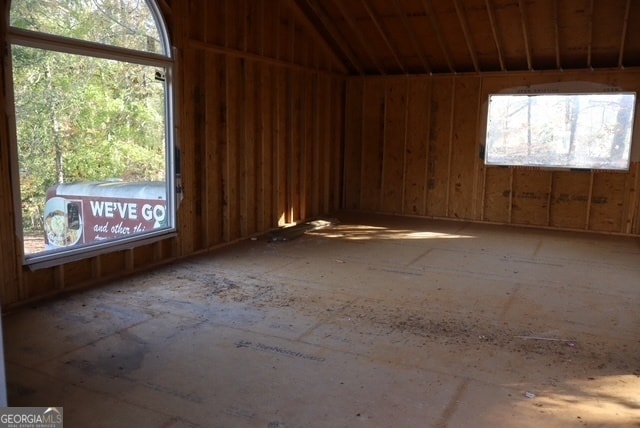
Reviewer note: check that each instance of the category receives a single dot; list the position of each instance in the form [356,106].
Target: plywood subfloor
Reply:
[376,322]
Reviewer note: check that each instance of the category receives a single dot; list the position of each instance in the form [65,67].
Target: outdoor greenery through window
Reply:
[582,131]
[91,89]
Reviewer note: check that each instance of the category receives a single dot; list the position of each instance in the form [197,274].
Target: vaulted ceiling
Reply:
[386,37]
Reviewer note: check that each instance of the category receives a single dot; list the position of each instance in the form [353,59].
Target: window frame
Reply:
[56,43]
[556,92]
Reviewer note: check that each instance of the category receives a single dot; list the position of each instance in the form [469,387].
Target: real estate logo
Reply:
[31,417]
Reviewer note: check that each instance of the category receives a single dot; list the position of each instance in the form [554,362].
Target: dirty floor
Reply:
[377,321]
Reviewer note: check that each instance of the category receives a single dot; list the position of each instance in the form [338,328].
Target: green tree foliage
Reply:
[81,118]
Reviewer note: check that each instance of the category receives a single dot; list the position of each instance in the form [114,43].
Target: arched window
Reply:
[93,125]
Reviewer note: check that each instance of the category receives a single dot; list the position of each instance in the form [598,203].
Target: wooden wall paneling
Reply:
[295,140]
[496,181]
[549,196]
[77,272]
[569,199]
[325,142]
[236,24]
[303,48]
[464,148]
[306,201]
[11,272]
[394,146]
[530,197]
[589,199]
[497,194]
[511,197]
[417,150]
[215,22]
[40,282]
[112,263]
[254,24]
[316,194]
[353,133]
[190,178]
[251,129]
[632,197]
[58,277]
[477,198]
[195,148]
[284,32]
[338,100]
[259,115]
[143,256]
[199,150]
[269,147]
[635,212]
[215,149]
[234,77]
[440,127]
[271,26]
[96,267]
[372,143]
[263,161]
[129,259]
[281,145]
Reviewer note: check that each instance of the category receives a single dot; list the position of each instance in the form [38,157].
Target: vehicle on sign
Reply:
[89,212]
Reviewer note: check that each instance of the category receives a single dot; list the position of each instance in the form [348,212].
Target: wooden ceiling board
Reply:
[378,23]
[508,21]
[334,31]
[607,32]
[386,37]
[540,23]
[345,21]
[405,46]
[453,36]
[428,39]
[480,30]
[574,33]
[411,34]
[413,8]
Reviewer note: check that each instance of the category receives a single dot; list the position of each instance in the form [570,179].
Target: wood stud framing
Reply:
[359,36]
[272,130]
[436,28]
[465,32]
[453,182]
[335,34]
[412,36]
[623,36]
[261,102]
[590,45]
[525,34]
[516,40]
[383,34]
[556,34]
[492,23]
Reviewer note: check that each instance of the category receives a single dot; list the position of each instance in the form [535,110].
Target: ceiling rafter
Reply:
[623,38]
[335,34]
[492,22]
[467,36]
[436,27]
[525,34]
[557,34]
[383,34]
[351,22]
[590,34]
[315,34]
[412,36]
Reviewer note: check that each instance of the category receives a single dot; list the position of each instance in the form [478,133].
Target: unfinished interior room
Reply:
[321,213]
